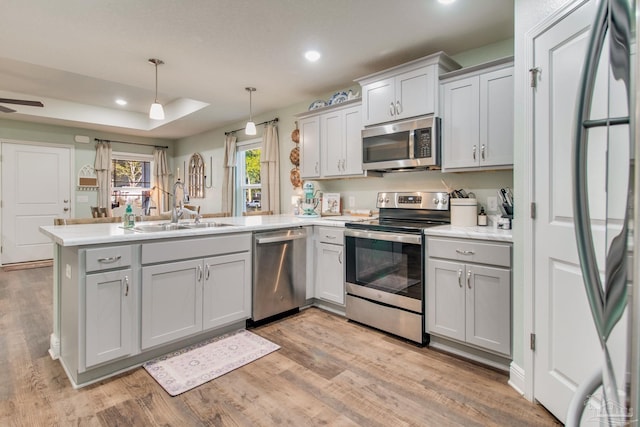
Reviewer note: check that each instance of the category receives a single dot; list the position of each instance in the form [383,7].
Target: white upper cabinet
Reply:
[405,91]
[331,141]
[477,117]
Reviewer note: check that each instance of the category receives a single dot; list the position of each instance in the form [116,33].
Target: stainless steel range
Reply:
[385,275]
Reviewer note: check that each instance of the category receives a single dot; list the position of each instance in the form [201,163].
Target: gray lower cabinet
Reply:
[468,300]
[182,298]
[110,309]
[330,264]
[109,305]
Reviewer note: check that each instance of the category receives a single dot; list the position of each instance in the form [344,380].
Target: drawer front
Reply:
[198,247]
[492,253]
[108,258]
[330,235]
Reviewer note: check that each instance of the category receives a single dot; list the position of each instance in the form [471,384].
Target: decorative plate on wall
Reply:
[294,156]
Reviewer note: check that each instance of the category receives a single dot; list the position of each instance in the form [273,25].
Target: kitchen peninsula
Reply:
[116,303]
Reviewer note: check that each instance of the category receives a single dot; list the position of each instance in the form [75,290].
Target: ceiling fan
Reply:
[17,102]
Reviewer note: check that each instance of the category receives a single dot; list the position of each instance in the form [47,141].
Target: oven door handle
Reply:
[389,237]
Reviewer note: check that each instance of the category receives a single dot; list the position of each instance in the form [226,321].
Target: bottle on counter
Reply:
[482,217]
[128,219]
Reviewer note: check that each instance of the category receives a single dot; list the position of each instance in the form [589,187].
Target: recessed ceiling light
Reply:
[312,55]
[446,1]
[121,102]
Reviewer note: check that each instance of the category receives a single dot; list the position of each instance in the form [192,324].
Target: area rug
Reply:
[190,367]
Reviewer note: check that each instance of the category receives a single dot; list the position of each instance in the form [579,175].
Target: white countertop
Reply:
[91,234]
[475,232]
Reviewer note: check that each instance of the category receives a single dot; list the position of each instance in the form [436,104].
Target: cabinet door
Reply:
[227,289]
[310,147]
[330,272]
[415,93]
[489,308]
[496,118]
[378,102]
[460,123]
[446,298]
[352,134]
[171,301]
[332,143]
[109,316]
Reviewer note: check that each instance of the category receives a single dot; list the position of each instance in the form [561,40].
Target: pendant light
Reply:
[156,112]
[250,129]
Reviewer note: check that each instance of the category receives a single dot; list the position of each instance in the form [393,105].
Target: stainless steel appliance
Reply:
[279,272]
[384,262]
[408,144]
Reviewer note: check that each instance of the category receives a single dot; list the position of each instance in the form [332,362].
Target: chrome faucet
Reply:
[178,208]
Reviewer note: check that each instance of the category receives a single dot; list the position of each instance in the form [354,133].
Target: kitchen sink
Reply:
[165,226]
[205,225]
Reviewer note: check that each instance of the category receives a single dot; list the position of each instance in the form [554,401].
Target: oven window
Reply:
[392,267]
[386,147]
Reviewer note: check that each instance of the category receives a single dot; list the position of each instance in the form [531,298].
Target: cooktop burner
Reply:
[408,212]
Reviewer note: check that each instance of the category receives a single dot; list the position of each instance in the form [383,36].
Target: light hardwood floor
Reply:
[328,372]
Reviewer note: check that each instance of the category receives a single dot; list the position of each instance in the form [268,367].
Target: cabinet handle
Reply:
[110,260]
[340,257]
[482,150]
[474,152]
[338,164]
[329,237]
[66,209]
[398,108]
[199,273]
[207,272]
[126,286]
[391,110]
[469,279]
[460,277]
[316,167]
[461,252]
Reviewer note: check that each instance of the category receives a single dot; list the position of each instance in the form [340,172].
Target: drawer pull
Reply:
[126,286]
[461,252]
[329,237]
[460,277]
[110,259]
[469,279]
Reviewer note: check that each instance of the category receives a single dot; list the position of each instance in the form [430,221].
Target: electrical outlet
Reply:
[352,202]
[492,203]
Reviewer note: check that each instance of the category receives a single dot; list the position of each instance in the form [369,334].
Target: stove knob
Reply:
[380,200]
[444,200]
[436,201]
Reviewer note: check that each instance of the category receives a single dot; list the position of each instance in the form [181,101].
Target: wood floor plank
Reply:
[329,372]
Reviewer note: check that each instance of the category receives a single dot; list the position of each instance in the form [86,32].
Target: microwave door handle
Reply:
[412,139]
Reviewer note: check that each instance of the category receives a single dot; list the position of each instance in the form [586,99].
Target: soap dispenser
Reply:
[482,217]
[128,219]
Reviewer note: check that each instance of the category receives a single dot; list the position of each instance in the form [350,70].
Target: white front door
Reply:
[567,346]
[35,190]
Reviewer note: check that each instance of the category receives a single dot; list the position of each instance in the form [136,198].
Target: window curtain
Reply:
[160,192]
[270,170]
[228,182]
[102,167]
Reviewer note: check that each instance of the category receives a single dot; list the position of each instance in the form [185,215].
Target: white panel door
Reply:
[446,299]
[378,101]
[353,141]
[461,123]
[415,92]
[310,147]
[496,118]
[331,143]
[567,347]
[35,189]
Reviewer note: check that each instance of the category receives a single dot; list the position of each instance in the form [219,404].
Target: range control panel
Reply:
[437,200]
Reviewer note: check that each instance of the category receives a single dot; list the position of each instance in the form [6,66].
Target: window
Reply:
[249,188]
[131,180]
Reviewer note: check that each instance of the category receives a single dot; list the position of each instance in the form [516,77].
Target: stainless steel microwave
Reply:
[408,144]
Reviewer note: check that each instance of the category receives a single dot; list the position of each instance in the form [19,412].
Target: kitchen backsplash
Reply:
[360,193]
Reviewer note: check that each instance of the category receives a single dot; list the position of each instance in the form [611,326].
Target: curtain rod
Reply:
[132,143]
[258,124]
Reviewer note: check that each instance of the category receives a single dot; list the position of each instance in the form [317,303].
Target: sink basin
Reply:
[205,225]
[166,226]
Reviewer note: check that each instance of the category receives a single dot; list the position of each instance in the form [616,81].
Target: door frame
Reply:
[72,174]
[528,386]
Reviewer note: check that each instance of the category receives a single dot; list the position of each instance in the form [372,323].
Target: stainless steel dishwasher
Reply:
[279,271]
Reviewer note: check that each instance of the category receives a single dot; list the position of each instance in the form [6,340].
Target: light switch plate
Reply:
[492,204]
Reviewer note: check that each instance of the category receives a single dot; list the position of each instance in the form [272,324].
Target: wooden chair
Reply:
[215,215]
[100,220]
[97,212]
[254,213]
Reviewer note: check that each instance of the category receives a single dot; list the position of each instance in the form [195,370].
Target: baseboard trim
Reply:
[516,378]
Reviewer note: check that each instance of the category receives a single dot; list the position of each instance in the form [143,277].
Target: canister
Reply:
[464,212]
